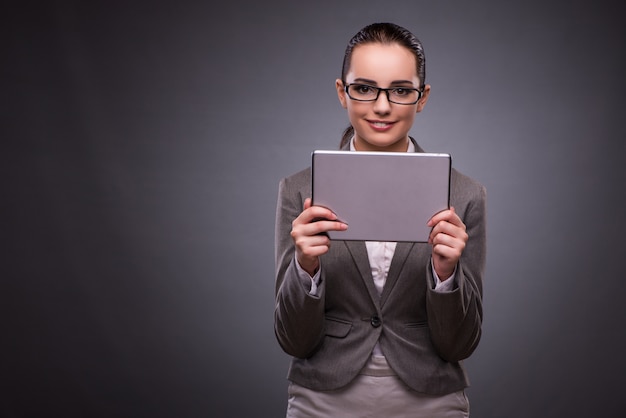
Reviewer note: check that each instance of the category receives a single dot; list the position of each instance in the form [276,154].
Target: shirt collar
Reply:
[410,148]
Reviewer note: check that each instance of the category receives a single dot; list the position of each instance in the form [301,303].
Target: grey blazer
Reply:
[423,334]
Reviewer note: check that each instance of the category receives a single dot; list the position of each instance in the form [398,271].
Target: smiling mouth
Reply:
[379,124]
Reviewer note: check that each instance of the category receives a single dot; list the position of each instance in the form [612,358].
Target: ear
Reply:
[341,93]
[422,101]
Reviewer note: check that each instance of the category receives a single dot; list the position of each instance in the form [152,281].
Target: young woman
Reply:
[379,328]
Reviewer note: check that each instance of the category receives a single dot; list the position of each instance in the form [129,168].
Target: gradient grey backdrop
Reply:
[142,148]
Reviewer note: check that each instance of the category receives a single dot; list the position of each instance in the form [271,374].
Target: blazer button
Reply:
[375,321]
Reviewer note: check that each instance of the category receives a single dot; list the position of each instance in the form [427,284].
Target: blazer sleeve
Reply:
[455,318]
[298,316]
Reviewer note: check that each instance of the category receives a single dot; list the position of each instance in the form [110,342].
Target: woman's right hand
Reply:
[309,234]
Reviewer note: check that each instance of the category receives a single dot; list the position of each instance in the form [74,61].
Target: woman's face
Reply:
[381,125]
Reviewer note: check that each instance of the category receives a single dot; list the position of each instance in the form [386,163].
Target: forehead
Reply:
[383,63]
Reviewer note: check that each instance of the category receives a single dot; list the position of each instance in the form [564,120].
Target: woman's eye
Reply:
[364,89]
[401,92]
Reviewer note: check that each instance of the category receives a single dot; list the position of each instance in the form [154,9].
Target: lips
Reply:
[380,126]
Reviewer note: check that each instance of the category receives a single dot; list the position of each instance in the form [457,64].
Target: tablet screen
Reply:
[382,196]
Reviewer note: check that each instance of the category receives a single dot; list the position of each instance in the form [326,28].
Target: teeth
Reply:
[380,124]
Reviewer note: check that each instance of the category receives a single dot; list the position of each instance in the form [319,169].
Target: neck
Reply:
[400,146]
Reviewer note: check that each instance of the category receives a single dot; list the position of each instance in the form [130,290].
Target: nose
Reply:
[382,104]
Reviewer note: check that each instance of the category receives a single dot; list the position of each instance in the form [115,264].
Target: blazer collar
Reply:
[397,262]
[359,255]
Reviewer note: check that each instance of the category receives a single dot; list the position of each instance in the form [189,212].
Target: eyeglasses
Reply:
[398,95]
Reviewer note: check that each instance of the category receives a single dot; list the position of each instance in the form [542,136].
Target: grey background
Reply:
[142,148]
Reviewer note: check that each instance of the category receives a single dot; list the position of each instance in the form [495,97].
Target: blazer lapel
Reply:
[359,255]
[397,262]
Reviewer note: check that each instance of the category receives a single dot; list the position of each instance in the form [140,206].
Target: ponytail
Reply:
[347,135]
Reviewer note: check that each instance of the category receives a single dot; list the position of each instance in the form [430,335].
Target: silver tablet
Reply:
[382,196]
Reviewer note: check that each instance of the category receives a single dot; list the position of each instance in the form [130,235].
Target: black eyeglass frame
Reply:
[420,92]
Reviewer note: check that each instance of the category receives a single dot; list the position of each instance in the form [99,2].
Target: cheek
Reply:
[354,111]
[410,112]
[355,108]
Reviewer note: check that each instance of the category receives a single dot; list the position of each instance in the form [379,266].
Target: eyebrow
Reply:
[374,83]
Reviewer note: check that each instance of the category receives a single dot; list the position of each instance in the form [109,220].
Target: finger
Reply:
[438,217]
[448,215]
[449,253]
[321,227]
[314,213]
[313,246]
[449,241]
[445,229]
[307,229]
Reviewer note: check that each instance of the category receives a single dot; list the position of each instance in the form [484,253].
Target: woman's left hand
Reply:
[448,238]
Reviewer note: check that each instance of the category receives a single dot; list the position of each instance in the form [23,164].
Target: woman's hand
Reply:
[448,238]
[309,234]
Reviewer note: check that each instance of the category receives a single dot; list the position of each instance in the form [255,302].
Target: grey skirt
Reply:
[377,393]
